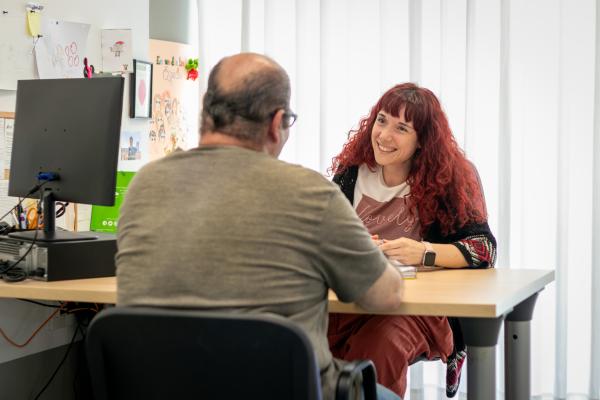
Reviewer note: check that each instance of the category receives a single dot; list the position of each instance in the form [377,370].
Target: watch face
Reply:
[429,259]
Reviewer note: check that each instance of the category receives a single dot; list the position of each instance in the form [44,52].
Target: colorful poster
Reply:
[106,219]
[175,101]
[116,50]
[60,51]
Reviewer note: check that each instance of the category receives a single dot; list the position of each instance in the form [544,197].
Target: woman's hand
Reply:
[405,250]
[376,240]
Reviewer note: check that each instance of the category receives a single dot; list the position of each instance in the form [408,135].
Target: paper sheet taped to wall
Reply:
[60,52]
[7,142]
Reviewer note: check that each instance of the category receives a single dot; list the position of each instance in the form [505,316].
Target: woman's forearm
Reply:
[448,256]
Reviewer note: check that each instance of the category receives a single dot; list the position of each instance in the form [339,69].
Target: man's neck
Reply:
[221,139]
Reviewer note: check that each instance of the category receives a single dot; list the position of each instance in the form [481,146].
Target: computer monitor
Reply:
[70,129]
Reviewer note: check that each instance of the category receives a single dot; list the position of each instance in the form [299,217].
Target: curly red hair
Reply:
[444,185]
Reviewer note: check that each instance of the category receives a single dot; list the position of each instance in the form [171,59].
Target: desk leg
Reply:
[517,351]
[481,338]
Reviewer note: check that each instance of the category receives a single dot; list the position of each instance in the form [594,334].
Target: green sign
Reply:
[105,219]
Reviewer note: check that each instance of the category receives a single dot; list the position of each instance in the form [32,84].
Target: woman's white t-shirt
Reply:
[384,209]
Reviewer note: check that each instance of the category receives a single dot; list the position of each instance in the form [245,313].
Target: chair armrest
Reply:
[351,372]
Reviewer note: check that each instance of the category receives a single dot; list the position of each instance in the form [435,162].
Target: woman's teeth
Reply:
[385,149]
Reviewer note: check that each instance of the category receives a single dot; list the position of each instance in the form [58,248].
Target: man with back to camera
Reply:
[241,230]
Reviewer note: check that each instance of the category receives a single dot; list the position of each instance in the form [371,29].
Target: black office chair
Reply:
[157,353]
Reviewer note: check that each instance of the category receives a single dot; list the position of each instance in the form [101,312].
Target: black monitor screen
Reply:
[69,128]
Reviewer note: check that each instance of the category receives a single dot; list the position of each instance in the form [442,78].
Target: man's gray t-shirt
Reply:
[231,229]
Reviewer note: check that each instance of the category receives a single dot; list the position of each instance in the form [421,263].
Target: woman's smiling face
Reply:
[394,141]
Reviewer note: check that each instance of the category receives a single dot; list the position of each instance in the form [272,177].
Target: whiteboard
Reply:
[16,51]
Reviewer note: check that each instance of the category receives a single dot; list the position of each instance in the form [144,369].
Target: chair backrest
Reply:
[156,353]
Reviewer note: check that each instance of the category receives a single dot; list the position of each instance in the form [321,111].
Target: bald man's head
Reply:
[234,71]
[244,91]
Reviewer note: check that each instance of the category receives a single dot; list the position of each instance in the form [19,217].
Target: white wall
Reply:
[20,319]
[110,14]
[130,14]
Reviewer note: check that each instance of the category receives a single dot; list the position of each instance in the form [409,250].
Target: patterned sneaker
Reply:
[453,370]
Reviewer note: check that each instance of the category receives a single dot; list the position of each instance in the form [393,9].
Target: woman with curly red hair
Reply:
[421,199]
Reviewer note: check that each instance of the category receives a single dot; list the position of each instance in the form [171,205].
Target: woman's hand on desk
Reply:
[405,250]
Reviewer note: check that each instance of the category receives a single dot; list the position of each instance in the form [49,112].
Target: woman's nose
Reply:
[385,134]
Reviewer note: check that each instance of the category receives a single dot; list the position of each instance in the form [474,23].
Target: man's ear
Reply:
[274,133]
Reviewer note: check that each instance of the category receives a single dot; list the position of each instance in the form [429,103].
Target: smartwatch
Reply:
[428,255]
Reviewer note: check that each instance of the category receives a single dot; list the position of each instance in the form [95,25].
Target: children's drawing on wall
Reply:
[116,50]
[174,121]
[130,146]
[169,126]
[59,53]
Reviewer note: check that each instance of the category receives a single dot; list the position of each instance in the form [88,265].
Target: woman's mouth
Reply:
[385,149]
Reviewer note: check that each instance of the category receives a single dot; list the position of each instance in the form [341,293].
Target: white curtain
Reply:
[519,80]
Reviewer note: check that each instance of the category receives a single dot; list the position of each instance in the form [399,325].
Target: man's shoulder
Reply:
[166,162]
[297,172]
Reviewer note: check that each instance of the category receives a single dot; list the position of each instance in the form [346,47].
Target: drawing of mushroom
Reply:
[117,48]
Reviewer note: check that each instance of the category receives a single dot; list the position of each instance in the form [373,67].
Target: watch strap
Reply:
[428,246]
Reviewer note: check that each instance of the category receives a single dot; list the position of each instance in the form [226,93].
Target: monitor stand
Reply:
[50,234]
[56,236]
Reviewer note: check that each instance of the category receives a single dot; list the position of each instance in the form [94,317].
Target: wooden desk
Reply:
[482,299]
[97,290]
[486,293]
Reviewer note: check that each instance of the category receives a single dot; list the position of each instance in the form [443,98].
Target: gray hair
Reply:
[244,111]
